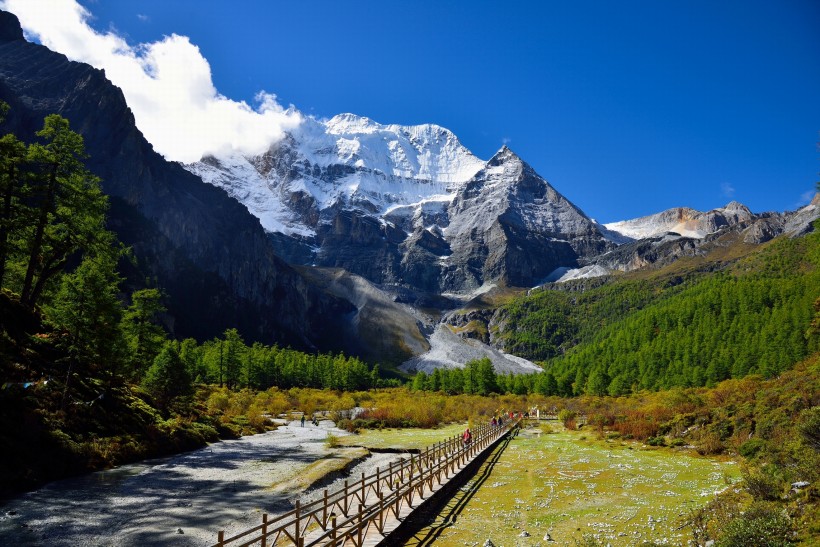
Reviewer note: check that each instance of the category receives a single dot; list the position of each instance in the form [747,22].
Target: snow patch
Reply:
[560,275]
[448,350]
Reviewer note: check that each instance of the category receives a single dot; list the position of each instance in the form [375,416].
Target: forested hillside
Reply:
[89,377]
[676,327]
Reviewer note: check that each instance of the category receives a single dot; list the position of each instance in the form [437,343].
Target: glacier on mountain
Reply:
[347,160]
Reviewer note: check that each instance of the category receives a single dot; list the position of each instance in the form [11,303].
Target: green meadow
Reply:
[576,489]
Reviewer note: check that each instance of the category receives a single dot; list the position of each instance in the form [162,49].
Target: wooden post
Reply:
[346,505]
[364,494]
[324,512]
[361,527]
[264,529]
[421,483]
[381,512]
[298,517]
[220,538]
[333,526]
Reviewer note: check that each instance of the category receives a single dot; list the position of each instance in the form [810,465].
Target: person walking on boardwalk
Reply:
[467,437]
[303,420]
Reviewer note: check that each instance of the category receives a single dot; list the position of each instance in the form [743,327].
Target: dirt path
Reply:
[182,500]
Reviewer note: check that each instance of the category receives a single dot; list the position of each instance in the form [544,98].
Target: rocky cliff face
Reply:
[734,216]
[664,237]
[406,206]
[508,224]
[204,249]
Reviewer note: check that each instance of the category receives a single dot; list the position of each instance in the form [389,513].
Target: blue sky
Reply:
[627,108]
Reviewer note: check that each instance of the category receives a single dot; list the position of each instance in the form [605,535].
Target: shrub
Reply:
[750,448]
[656,441]
[809,427]
[567,417]
[761,525]
[709,443]
[762,484]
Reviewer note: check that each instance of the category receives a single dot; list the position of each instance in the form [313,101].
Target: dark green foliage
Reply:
[88,309]
[229,361]
[753,318]
[167,378]
[144,336]
[809,427]
[66,204]
[761,525]
[750,448]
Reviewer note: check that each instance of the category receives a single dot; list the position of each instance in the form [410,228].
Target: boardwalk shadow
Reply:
[425,526]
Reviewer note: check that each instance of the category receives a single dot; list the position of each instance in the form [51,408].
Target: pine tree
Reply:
[87,307]
[70,207]
[145,337]
[14,213]
[167,378]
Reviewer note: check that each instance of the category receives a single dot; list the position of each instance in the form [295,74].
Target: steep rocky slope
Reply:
[203,248]
[407,206]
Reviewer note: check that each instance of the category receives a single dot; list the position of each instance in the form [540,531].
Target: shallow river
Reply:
[183,500]
[542,489]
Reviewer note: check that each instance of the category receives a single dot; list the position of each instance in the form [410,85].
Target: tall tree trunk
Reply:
[5,221]
[26,296]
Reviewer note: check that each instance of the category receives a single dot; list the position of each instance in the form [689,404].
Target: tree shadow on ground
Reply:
[433,521]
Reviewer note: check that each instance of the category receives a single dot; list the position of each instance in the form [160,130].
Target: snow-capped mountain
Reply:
[347,161]
[406,205]
[410,206]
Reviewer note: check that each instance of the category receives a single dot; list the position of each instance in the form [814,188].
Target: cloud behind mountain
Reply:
[167,84]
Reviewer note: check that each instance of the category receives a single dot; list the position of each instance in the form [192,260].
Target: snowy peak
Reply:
[348,161]
[508,186]
[423,152]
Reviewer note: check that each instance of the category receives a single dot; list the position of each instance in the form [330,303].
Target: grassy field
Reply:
[575,488]
[401,439]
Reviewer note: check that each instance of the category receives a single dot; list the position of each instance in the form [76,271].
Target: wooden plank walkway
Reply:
[363,512]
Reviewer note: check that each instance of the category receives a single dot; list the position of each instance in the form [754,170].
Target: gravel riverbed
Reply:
[181,500]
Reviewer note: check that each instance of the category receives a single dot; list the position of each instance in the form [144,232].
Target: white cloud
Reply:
[727,190]
[166,83]
[142,17]
[805,198]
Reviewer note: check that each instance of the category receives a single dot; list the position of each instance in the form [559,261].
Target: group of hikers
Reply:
[499,421]
[314,421]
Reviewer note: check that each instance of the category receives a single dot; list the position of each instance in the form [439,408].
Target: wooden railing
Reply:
[346,515]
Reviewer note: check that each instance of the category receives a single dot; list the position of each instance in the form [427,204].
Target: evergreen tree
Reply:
[145,337]
[233,350]
[87,307]
[70,207]
[420,381]
[14,214]
[167,378]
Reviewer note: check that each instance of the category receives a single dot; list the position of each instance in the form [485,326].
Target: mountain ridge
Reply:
[192,239]
[382,202]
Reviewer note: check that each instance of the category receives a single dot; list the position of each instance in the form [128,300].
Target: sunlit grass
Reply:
[559,484]
[401,439]
[303,477]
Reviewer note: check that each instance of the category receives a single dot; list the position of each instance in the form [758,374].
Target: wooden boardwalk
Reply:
[365,511]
